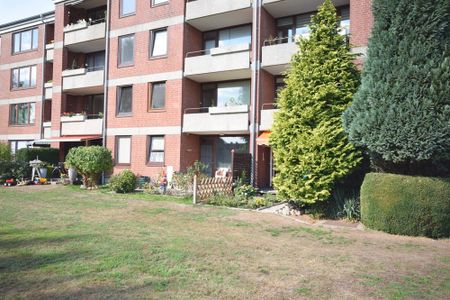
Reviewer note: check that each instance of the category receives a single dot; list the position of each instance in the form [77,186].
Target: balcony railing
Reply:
[219,64]
[81,125]
[267,114]
[217,120]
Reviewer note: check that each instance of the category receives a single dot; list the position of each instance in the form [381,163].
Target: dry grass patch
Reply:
[60,242]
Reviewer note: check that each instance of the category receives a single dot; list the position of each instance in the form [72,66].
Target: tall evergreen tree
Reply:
[401,112]
[311,150]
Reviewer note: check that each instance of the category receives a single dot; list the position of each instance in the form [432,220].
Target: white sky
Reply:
[11,10]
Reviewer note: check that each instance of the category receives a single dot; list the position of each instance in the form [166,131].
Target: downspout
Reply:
[255,83]
[44,60]
[105,79]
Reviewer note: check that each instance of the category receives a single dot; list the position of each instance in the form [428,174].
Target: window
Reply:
[17,145]
[156,150]
[159,42]
[226,94]
[241,35]
[290,27]
[25,40]
[215,152]
[159,2]
[125,100]
[95,61]
[22,114]
[158,95]
[123,150]
[24,77]
[126,50]
[127,7]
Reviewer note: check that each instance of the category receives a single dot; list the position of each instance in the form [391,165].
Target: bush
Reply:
[90,162]
[49,155]
[406,205]
[5,152]
[124,182]
[13,169]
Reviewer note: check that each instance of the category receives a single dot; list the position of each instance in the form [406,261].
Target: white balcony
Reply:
[47,130]
[276,58]
[213,14]
[217,120]
[78,125]
[267,117]
[220,64]
[49,48]
[82,82]
[84,37]
[282,8]
[48,88]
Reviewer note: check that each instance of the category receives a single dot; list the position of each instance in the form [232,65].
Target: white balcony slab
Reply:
[48,93]
[267,116]
[276,58]
[213,14]
[81,82]
[49,54]
[218,120]
[282,8]
[220,65]
[86,127]
[85,38]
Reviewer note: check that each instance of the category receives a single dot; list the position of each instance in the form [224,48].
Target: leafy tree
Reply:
[401,112]
[311,150]
[5,152]
[90,162]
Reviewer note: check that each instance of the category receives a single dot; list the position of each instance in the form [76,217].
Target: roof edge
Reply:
[25,21]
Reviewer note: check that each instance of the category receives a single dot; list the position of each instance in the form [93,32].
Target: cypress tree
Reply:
[401,112]
[311,149]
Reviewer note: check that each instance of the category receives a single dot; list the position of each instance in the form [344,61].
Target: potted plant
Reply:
[43,169]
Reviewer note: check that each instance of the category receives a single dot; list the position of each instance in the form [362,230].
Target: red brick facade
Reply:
[181,149]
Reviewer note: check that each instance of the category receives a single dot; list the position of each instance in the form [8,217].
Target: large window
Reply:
[156,150]
[226,94]
[17,145]
[127,7]
[25,40]
[24,77]
[215,152]
[227,37]
[290,27]
[123,150]
[22,114]
[157,95]
[126,50]
[95,61]
[124,100]
[159,42]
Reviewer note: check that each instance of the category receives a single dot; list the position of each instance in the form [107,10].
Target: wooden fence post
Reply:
[194,196]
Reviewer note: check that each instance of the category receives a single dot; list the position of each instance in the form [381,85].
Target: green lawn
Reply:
[60,242]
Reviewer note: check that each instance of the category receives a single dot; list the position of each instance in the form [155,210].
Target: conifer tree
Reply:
[401,112]
[311,149]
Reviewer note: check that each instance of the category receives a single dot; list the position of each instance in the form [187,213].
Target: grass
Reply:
[62,242]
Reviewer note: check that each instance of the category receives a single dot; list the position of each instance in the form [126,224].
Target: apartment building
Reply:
[162,83]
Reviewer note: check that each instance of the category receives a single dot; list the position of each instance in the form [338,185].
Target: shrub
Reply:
[401,111]
[13,169]
[223,200]
[5,152]
[244,191]
[90,162]
[49,155]
[311,149]
[124,182]
[406,205]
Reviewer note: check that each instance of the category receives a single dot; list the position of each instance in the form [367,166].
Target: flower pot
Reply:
[72,175]
[43,172]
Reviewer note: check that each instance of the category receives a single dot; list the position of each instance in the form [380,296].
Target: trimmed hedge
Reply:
[406,205]
[49,155]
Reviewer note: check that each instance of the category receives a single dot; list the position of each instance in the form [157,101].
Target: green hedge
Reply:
[406,205]
[50,155]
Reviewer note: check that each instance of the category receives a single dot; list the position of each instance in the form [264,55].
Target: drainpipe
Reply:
[44,60]
[105,78]
[256,65]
